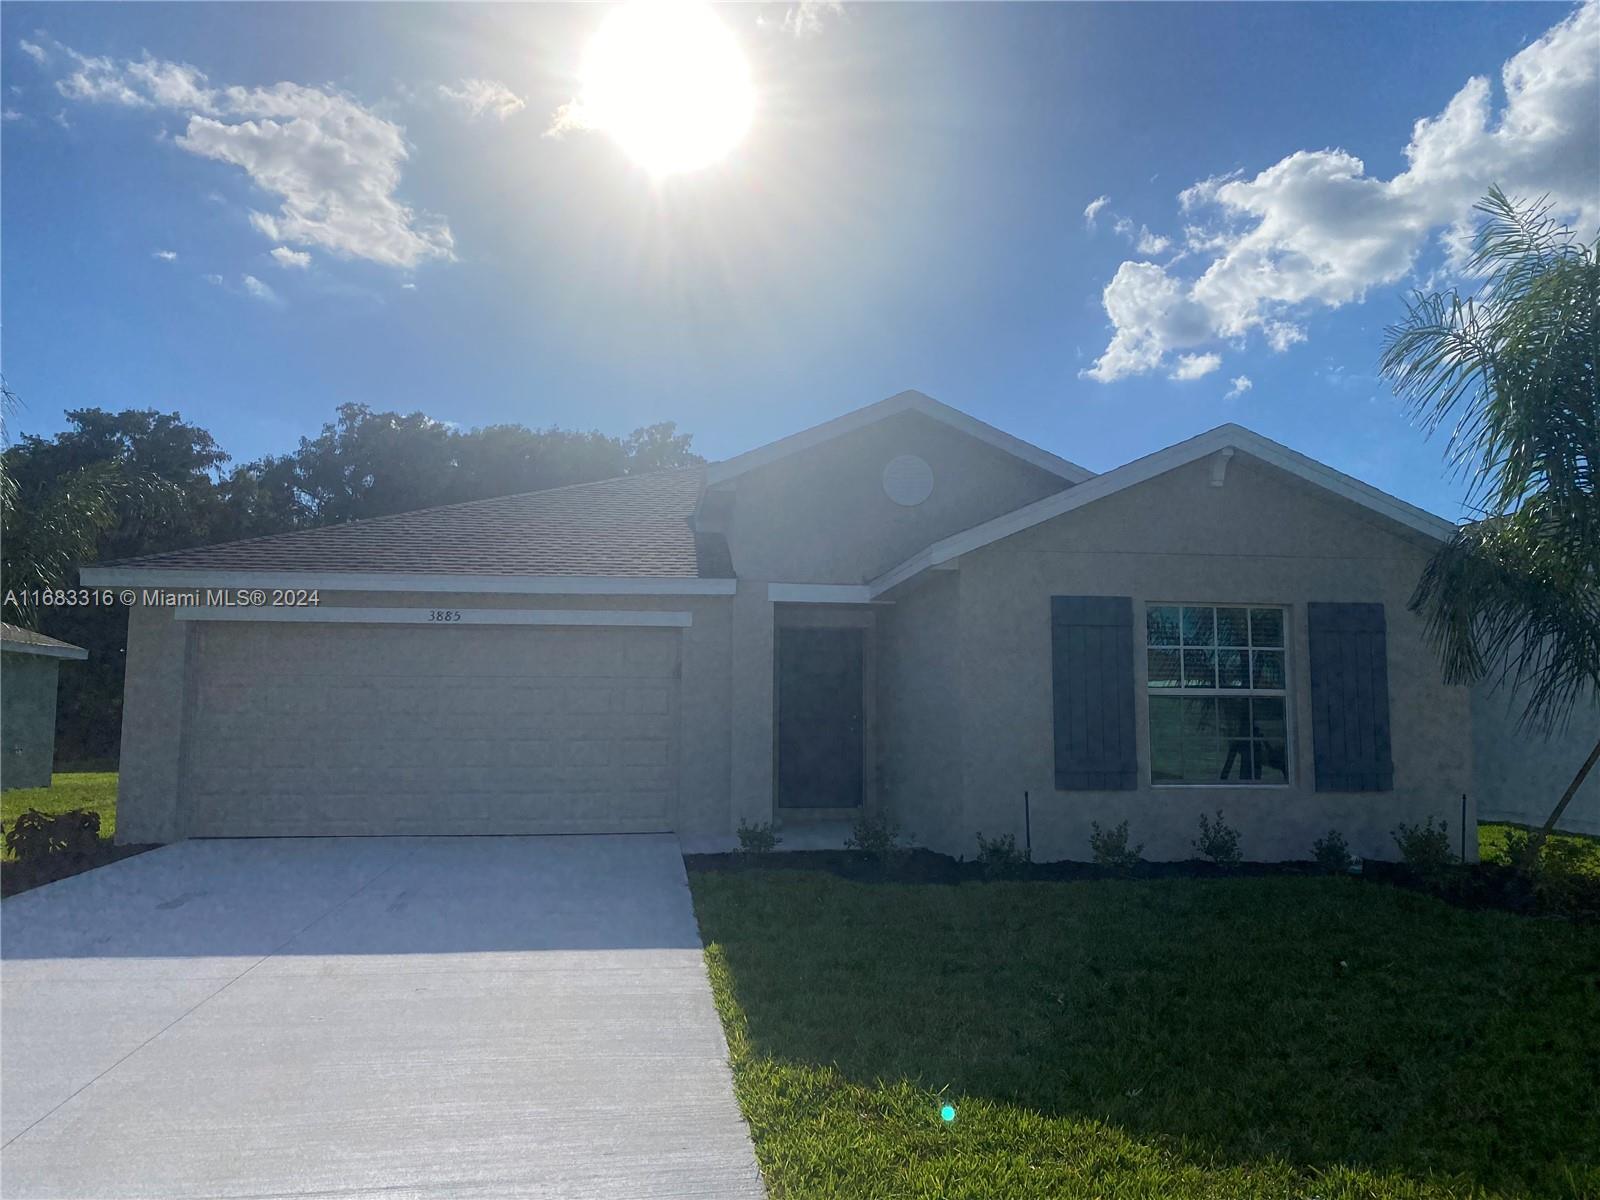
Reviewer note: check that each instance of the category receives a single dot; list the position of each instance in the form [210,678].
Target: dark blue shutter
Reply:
[1350,697]
[1091,640]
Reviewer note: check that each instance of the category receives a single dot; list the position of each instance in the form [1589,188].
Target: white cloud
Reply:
[259,290]
[1314,230]
[286,257]
[216,279]
[1152,314]
[1240,385]
[334,164]
[484,97]
[1195,366]
[1143,240]
[33,50]
[164,255]
[10,114]
[808,18]
[1281,335]
[1151,243]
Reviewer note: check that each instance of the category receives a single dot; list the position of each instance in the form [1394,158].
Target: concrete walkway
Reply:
[407,1017]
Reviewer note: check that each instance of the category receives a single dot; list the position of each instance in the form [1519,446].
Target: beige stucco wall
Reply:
[1262,538]
[162,655]
[1521,775]
[821,515]
[152,726]
[919,711]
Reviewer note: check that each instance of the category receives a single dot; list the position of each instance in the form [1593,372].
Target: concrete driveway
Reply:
[395,1017]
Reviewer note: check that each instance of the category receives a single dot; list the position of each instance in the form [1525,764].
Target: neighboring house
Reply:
[903,610]
[1520,777]
[28,665]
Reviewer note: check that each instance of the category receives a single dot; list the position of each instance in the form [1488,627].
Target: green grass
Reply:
[1582,853]
[1266,1037]
[91,790]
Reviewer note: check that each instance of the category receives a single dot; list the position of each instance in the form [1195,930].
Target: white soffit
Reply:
[74,653]
[444,617]
[381,581]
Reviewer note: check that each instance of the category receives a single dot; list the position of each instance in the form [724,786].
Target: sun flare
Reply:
[668,83]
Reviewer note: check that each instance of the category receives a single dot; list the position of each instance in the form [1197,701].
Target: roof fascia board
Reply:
[646,618]
[1151,465]
[819,593]
[772,452]
[76,653]
[382,581]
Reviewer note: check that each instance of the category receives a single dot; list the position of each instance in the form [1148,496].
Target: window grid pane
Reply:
[1215,737]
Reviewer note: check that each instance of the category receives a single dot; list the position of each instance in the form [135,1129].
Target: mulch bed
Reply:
[21,876]
[1473,885]
[928,866]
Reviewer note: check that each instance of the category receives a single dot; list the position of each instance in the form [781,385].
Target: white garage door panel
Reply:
[378,729]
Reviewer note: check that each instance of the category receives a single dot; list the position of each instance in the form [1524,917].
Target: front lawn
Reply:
[96,791]
[1266,1037]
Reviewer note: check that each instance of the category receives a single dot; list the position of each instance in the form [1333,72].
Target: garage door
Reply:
[406,729]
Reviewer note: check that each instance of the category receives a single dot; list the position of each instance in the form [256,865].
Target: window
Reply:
[1218,694]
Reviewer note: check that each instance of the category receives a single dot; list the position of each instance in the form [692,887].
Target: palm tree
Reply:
[1514,596]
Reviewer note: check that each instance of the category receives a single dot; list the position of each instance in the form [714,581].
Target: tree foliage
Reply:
[1514,596]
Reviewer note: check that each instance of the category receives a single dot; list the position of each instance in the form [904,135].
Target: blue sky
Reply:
[906,209]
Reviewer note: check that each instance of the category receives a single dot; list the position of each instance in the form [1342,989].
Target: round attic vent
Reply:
[907,480]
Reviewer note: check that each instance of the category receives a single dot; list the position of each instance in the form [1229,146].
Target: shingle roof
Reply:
[26,641]
[636,526]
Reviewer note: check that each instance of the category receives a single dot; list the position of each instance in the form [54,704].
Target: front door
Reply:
[821,754]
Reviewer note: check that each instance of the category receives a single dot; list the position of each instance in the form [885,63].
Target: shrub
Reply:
[1218,841]
[758,838]
[876,839]
[1000,858]
[1559,875]
[1563,880]
[1519,851]
[1332,852]
[1110,846]
[1423,846]
[35,835]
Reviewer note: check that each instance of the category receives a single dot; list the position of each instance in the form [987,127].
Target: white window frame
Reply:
[1287,693]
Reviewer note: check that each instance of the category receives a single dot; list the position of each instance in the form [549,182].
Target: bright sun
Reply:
[667,81]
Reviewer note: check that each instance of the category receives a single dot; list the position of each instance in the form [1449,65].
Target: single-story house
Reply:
[904,611]
[28,665]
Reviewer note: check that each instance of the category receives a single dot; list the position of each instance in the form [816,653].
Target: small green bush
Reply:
[1332,852]
[1000,858]
[1110,846]
[876,839]
[1218,841]
[1423,846]
[35,835]
[1519,851]
[1562,879]
[759,838]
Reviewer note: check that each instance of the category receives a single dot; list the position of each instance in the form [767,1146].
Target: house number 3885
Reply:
[444,614]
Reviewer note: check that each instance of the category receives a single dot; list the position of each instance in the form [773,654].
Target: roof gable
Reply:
[1224,438]
[908,401]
